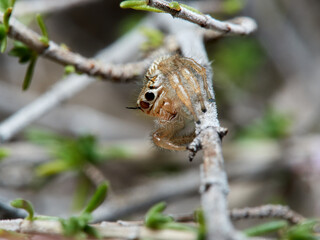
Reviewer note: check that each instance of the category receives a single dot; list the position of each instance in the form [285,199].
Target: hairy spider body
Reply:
[170,92]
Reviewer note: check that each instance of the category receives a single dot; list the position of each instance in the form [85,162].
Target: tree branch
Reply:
[242,25]
[267,211]
[65,57]
[114,230]
[214,187]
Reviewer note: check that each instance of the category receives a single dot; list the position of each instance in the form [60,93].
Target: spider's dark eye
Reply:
[149,96]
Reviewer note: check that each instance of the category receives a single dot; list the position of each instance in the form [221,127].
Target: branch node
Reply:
[222,131]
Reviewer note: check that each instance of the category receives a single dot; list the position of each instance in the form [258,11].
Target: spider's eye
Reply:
[149,96]
[144,105]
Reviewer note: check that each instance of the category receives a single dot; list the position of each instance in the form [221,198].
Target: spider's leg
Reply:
[202,72]
[163,137]
[176,83]
[182,140]
[193,83]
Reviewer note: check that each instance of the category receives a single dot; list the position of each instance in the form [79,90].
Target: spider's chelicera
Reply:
[171,89]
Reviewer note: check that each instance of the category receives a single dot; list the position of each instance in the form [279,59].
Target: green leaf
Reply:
[69,69]
[53,167]
[138,5]
[154,37]
[45,37]
[23,52]
[3,46]
[232,6]
[303,231]
[175,6]
[200,219]
[3,153]
[24,204]
[4,5]
[30,70]
[3,33]
[133,3]
[98,198]
[155,219]
[148,9]
[6,18]
[266,228]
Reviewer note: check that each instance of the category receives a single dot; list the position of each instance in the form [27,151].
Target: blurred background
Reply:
[267,89]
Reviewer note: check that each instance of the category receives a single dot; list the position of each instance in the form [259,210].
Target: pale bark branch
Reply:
[214,187]
[242,26]
[114,230]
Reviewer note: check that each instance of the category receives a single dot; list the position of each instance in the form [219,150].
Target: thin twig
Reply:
[239,26]
[267,211]
[94,174]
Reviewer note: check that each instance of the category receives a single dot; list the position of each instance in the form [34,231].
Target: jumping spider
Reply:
[170,91]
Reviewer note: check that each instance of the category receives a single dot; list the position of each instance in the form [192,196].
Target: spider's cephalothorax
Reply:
[171,90]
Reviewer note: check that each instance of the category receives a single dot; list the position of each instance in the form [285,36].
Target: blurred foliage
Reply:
[307,230]
[71,153]
[265,228]
[20,50]
[236,60]
[202,230]
[154,38]
[155,219]
[232,6]
[69,69]
[76,226]
[25,205]
[6,7]
[45,37]
[5,4]
[129,22]
[272,125]
[3,153]
[25,54]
